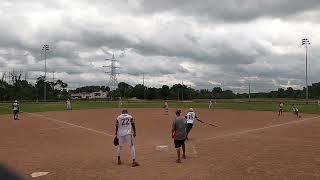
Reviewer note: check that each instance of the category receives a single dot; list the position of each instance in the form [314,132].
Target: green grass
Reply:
[5,108]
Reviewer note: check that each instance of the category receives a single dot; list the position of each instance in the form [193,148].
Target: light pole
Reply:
[306,42]
[45,49]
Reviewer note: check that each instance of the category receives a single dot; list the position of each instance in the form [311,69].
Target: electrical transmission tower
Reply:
[113,81]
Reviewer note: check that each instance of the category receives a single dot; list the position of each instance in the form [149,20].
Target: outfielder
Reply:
[191,116]
[125,131]
[15,109]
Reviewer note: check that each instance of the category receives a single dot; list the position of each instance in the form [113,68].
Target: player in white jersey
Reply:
[210,103]
[166,107]
[125,129]
[191,116]
[68,102]
[15,109]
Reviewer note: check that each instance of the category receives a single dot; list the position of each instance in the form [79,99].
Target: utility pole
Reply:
[306,42]
[182,91]
[144,88]
[45,49]
[249,90]
[53,79]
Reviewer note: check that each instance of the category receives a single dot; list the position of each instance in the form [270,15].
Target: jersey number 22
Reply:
[125,122]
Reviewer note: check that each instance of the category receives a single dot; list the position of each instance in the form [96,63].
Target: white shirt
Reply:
[191,116]
[124,124]
[15,106]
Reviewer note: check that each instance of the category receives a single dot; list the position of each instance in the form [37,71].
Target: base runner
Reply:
[125,131]
[191,116]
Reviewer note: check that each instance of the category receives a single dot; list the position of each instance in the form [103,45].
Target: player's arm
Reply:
[117,126]
[133,127]
[173,130]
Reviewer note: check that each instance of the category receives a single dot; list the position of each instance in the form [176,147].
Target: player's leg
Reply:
[121,141]
[129,139]
[177,145]
[189,127]
[15,116]
[183,150]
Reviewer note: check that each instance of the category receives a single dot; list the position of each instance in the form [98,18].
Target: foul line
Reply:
[257,129]
[73,125]
[46,129]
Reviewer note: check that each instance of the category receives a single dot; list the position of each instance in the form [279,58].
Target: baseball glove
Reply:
[116,141]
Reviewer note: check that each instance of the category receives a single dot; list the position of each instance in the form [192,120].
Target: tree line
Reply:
[183,92]
[24,90]
[18,89]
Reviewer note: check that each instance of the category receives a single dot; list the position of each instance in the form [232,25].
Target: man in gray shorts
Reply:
[179,134]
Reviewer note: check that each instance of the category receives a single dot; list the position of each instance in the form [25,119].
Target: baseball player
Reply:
[295,110]
[15,109]
[280,109]
[68,102]
[210,103]
[179,134]
[191,116]
[166,106]
[125,131]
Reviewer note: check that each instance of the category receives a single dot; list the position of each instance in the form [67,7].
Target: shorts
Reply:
[125,139]
[15,112]
[189,127]
[178,143]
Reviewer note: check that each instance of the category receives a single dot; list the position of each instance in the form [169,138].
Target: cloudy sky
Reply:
[202,43]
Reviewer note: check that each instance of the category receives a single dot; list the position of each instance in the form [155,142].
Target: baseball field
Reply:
[250,142]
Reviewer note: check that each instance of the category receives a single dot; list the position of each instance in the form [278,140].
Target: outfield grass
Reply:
[244,105]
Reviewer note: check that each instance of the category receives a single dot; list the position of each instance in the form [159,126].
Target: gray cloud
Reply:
[231,10]
[203,43]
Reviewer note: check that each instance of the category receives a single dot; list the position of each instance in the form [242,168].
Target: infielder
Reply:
[166,106]
[191,116]
[15,109]
[295,110]
[68,103]
[280,109]
[125,131]
[210,103]
[179,134]
[120,103]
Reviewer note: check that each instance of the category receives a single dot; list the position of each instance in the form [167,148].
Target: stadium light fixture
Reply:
[306,42]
